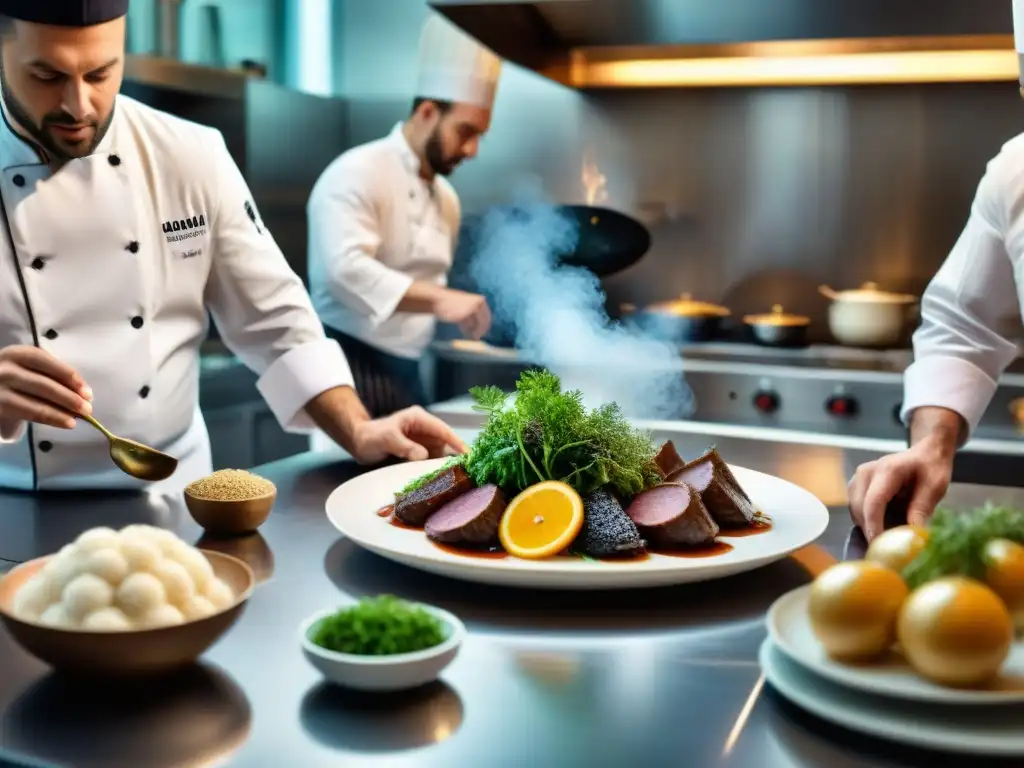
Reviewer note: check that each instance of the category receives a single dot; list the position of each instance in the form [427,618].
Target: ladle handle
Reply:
[93,422]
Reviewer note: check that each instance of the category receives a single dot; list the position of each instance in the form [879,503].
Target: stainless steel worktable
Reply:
[664,677]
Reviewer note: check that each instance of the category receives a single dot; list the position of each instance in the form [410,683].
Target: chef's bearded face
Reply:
[454,134]
[59,83]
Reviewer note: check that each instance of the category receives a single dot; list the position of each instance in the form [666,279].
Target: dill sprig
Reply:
[548,434]
[956,542]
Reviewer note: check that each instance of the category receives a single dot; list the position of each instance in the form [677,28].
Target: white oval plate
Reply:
[964,730]
[790,628]
[798,519]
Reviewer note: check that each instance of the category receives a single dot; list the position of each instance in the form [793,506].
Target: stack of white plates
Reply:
[888,699]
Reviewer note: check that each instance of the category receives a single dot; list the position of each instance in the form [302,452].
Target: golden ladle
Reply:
[133,458]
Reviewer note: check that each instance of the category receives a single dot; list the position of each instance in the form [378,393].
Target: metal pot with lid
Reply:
[680,320]
[778,328]
[868,316]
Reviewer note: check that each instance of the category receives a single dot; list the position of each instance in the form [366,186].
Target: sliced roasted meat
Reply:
[698,476]
[472,519]
[727,502]
[415,507]
[668,459]
[672,515]
[607,530]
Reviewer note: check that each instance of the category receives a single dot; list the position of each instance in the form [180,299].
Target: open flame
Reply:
[594,182]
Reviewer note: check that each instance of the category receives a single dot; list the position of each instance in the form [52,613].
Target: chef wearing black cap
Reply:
[121,227]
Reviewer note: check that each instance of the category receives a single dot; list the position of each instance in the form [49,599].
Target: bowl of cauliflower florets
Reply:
[132,601]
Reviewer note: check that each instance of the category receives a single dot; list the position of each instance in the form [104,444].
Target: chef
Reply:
[121,226]
[961,349]
[383,221]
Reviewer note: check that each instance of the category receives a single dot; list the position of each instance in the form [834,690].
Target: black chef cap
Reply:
[64,13]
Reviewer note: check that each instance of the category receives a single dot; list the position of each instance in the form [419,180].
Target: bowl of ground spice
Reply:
[230,502]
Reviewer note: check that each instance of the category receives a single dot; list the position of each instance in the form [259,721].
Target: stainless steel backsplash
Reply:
[754,196]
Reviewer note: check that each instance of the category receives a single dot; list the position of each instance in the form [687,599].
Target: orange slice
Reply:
[541,521]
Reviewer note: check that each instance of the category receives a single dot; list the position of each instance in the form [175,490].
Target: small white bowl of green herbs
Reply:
[382,643]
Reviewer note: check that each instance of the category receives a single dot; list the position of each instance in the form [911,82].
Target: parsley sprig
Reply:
[956,542]
[379,626]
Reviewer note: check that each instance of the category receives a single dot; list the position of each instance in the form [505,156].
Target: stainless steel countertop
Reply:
[664,677]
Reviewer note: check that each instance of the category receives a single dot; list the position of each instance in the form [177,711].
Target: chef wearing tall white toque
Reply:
[121,226]
[383,223]
[960,350]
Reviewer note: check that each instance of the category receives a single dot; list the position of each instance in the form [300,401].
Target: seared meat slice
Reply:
[416,506]
[698,476]
[672,515]
[471,519]
[727,502]
[668,459]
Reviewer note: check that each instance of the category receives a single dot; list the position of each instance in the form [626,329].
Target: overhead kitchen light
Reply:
[979,58]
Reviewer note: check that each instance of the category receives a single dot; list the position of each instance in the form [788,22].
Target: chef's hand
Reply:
[35,386]
[466,310]
[923,471]
[412,434]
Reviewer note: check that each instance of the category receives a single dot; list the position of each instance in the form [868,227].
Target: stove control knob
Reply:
[843,406]
[766,402]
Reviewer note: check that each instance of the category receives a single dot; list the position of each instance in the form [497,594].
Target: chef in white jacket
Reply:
[959,350]
[121,226]
[383,222]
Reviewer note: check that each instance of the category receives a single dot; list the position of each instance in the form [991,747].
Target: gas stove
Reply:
[820,389]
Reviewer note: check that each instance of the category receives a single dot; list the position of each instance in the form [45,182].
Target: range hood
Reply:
[634,43]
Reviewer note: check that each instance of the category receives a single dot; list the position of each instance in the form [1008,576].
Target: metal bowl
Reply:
[125,654]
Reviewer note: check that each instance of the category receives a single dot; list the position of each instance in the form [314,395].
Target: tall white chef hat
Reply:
[455,67]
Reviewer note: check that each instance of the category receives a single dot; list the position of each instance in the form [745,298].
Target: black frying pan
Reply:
[609,241]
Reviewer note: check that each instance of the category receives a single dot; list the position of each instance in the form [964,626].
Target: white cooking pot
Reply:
[868,317]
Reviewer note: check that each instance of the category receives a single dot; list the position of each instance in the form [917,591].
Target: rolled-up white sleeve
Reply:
[344,236]
[261,307]
[959,353]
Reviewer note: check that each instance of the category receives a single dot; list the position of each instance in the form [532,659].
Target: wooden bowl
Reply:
[230,518]
[125,654]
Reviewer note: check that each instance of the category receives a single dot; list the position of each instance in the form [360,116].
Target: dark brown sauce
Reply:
[486,553]
[756,528]
[399,524]
[707,550]
[386,511]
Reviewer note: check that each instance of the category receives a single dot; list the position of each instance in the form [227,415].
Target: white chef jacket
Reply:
[375,227]
[960,350]
[117,258]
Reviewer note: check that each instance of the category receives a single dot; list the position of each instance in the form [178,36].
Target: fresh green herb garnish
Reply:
[379,626]
[422,480]
[956,542]
[548,434]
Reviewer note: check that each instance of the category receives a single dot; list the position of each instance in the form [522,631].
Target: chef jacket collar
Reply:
[17,148]
[409,158]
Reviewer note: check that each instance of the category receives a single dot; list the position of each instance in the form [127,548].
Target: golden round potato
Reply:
[897,547]
[955,631]
[1004,573]
[853,609]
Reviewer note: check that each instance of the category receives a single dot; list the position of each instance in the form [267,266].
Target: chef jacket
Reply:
[960,350]
[116,259]
[375,227]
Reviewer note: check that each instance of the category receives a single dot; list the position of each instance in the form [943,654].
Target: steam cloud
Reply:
[559,316]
